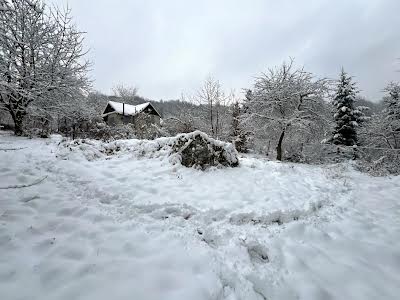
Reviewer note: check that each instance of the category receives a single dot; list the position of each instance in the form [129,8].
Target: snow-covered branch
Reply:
[285,98]
[42,58]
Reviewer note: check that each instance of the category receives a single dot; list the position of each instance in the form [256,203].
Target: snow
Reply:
[127,109]
[167,147]
[354,123]
[128,224]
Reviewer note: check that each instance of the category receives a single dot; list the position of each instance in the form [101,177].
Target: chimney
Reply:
[123,109]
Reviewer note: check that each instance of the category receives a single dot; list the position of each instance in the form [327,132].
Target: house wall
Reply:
[114,120]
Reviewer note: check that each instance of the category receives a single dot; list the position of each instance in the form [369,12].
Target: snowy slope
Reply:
[133,226]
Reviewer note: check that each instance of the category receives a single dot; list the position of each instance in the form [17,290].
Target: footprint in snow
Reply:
[257,252]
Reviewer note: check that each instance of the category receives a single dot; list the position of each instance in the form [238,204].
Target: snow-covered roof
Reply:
[127,109]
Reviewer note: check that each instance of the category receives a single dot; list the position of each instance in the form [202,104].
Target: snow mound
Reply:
[194,149]
[199,150]
[94,149]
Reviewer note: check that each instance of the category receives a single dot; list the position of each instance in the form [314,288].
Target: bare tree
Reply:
[128,94]
[98,101]
[184,119]
[213,98]
[41,55]
[285,98]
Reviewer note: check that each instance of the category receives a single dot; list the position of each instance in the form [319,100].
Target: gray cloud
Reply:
[166,47]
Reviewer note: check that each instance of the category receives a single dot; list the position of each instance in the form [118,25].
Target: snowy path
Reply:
[137,228]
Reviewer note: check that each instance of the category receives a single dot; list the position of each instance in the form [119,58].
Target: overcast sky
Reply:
[168,47]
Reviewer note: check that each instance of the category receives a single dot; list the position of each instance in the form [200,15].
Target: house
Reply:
[142,115]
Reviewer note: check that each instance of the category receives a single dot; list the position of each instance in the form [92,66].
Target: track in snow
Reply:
[137,228]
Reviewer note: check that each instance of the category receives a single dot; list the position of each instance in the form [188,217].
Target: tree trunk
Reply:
[211,119]
[73,131]
[217,122]
[18,127]
[18,119]
[395,141]
[279,146]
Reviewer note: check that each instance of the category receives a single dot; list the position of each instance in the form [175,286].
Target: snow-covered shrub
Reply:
[328,153]
[295,156]
[150,132]
[36,132]
[181,124]
[199,150]
[241,142]
[37,123]
[96,149]
[374,161]
[101,131]
[89,149]
[379,162]
[192,149]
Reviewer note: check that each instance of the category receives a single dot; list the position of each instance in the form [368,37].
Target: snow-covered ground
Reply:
[134,226]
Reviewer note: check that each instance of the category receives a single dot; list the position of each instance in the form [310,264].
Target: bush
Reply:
[101,131]
[379,162]
[151,132]
[374,161]
[241,143]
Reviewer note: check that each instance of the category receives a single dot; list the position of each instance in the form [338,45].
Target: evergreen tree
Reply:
[235,130]
[238,135]
[392,105]
[247,100]
[391,117]
[346,116]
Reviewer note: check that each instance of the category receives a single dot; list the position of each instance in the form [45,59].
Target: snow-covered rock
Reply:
[199,150]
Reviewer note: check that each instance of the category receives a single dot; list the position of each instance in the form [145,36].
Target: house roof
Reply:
[128,110]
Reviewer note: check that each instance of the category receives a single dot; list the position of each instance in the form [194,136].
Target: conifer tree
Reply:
[391,115]
[346,115]
[238,135]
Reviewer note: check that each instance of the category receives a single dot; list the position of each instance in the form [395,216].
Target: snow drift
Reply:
[194,149]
